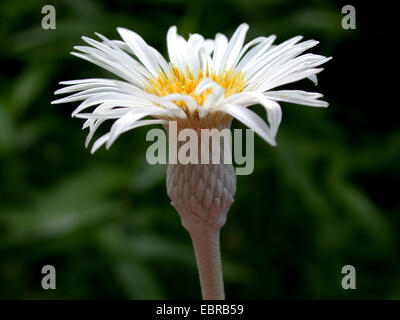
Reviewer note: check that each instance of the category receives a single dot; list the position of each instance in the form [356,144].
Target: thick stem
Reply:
[202,194]
[208,258]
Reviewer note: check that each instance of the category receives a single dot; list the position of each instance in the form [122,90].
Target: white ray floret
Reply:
[202,78]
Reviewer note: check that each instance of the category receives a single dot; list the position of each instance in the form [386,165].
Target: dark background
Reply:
[325,197]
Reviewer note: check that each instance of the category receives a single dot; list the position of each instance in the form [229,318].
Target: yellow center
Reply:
[186,83]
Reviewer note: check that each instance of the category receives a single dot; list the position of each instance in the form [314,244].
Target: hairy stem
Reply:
[208,258]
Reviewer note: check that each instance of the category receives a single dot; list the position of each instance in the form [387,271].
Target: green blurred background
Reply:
[324,198]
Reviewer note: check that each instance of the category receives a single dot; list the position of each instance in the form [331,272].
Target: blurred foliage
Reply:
[320,200]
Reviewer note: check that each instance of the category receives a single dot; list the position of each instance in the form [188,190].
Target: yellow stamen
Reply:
[185,83]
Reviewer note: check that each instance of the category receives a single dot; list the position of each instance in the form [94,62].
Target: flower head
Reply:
[214,80]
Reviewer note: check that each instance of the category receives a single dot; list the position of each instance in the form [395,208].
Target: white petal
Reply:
[250,119]
[103,139]
[190,102]
[194,45]
[140,48]
[113,98]
[254,53]
[220,45]
[290,68]
[273,54]
[298,96]
[234,47]
[95,124]
[267,67]
[272,108]
[174,50]
[114,53]
[214,99]
[265,86]
[313,78]
[110,66]
[129,119]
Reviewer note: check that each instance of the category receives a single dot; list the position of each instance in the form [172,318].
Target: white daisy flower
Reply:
[205,84]
[204,79]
